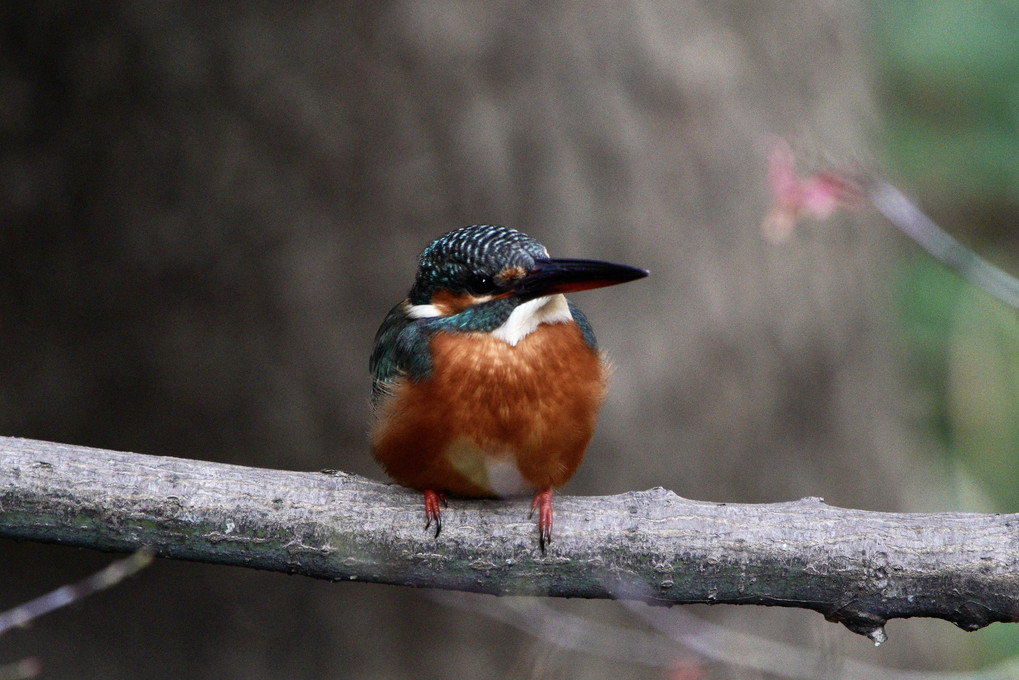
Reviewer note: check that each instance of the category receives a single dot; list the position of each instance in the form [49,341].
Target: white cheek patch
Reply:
[422,311]
[526,318]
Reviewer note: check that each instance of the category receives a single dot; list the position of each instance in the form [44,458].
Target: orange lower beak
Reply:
[551,276]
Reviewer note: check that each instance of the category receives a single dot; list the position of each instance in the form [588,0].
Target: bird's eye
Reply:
[480,284]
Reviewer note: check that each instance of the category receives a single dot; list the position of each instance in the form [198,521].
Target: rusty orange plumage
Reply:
[487,381]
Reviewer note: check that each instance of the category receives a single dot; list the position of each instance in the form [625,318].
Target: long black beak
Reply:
[551,276]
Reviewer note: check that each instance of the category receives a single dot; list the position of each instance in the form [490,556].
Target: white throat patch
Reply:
[526,318]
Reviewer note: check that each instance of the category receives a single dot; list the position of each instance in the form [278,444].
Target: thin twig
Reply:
[111,575]
[909,219]
[820,194]
[21,670]
[684,631]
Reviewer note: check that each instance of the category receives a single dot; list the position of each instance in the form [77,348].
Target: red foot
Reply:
[432,511]
[543,502]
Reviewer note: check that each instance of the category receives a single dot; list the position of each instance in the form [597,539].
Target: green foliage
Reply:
[964,347]
[950,73]
[951,99]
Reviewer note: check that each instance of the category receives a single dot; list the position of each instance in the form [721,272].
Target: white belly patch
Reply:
[504,479]
[495,472]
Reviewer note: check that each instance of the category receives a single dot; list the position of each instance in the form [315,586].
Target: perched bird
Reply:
[486,380]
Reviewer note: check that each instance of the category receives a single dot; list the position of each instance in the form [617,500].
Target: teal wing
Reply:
[385,364]
[401,351]
[585,326]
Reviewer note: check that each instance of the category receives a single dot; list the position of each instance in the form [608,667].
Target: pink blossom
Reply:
[816,196]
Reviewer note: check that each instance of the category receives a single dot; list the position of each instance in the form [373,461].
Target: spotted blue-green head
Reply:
[484,262]
[489,279]
[473,260]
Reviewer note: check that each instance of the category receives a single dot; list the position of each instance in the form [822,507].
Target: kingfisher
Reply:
[486,380]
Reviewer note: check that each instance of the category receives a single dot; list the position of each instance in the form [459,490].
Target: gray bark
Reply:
[855,567]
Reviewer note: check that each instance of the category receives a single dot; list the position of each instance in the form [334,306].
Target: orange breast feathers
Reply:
[494,419]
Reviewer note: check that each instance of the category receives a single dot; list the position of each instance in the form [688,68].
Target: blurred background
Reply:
[206,209]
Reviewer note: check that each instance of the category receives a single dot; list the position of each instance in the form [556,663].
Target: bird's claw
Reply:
[543,504]
[433,513]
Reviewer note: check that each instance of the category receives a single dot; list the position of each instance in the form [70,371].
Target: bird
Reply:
[486,380]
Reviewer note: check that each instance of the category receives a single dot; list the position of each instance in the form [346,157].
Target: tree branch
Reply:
[859,568]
